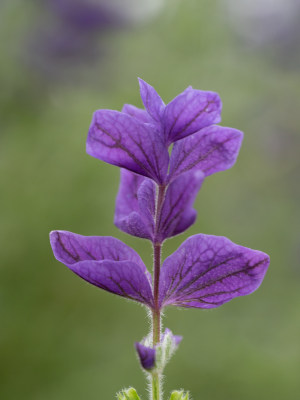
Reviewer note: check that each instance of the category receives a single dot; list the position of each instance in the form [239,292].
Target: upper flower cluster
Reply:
[155,201]
[138,140]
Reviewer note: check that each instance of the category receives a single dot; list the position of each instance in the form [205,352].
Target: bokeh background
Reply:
[60,60]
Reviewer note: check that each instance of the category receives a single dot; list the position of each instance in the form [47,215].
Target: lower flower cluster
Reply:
[205,272]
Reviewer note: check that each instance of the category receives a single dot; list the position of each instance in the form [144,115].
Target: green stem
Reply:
[156,310]
[155,387]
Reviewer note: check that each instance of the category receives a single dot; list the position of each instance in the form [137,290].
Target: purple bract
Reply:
[205,272]
[138,140]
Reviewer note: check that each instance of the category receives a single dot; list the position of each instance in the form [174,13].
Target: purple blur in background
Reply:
[72,35]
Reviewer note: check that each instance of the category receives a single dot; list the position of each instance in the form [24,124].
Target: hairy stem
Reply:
[156,310]
[156,317]
[156,383]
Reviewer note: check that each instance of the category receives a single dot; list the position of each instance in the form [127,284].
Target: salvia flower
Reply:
[155,201]
[138,140]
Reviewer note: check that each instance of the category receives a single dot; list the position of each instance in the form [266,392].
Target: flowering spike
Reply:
[205,271]
[208,271]
[105,262]
[210,150]
[122,140]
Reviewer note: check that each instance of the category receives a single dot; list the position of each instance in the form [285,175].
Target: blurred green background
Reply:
[63,339]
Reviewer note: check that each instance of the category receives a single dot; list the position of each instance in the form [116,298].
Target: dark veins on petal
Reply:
[210,271]
[119,139]
[210,150]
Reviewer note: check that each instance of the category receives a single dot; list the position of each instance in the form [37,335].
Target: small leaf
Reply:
[128,394]
[176,395]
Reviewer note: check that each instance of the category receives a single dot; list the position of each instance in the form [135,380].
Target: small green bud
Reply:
[176,395]
[128,394]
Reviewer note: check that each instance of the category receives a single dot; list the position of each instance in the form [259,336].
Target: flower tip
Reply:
[142,82]
[53,236]
[146,356]
[177,339]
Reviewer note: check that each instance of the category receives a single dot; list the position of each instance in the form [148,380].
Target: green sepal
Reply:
[128,394]
[176,395]
[165,350]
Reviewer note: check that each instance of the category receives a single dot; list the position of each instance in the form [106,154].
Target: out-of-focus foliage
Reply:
[61,338]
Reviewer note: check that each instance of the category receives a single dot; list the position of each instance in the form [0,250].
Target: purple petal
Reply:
[105,262]
[137,113]
[166,347]
[177,213]
[122,140]
[210,150]
[177,339]
[208,271]
[152,101]
[191,111]
[146,356]
[146,199]
[135,205]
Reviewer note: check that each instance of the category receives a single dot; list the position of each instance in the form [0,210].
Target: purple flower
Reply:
[158,356]
[85,16]
[155,201]
[71,34]
[146,356]
[135,205]
[205,272]
[138,140]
